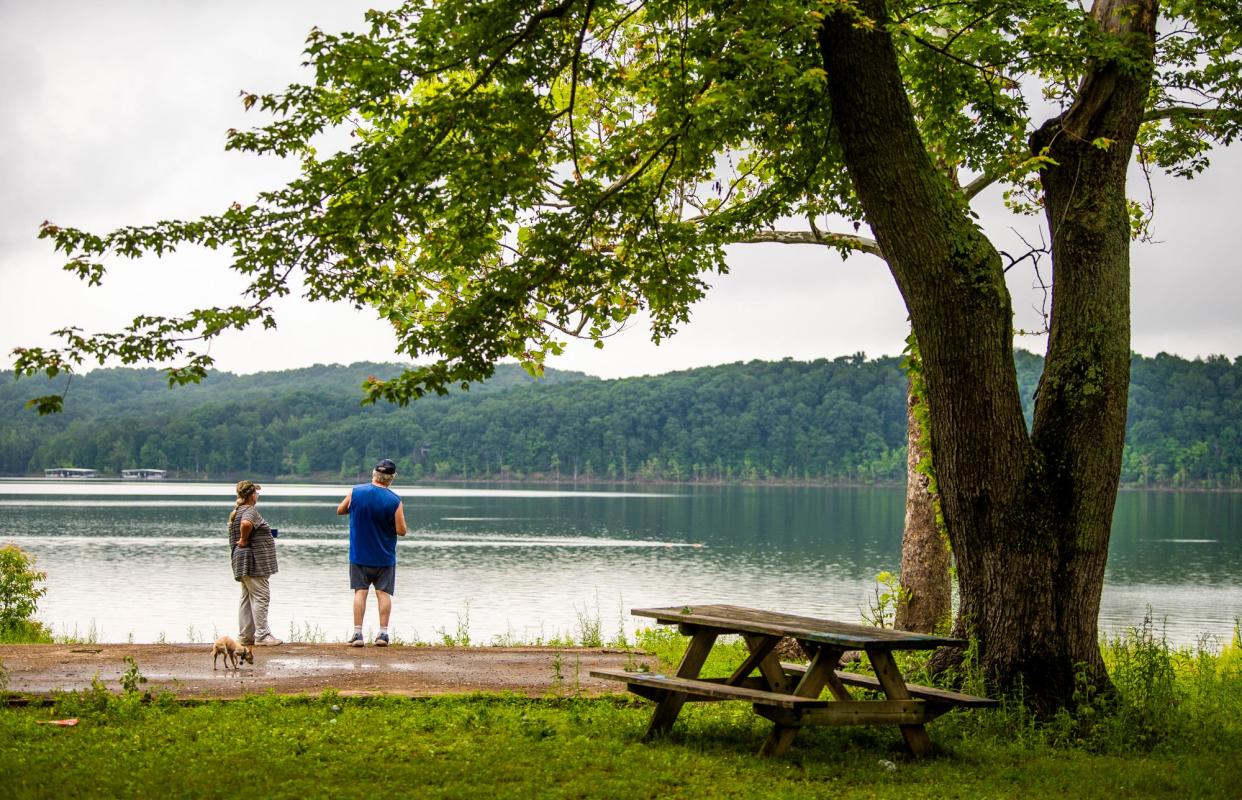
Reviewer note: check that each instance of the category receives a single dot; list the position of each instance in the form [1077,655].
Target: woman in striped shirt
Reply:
[253,553]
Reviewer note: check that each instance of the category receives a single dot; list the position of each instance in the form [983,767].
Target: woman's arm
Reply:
[247,527]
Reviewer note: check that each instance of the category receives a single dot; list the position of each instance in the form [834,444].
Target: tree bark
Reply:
[1080,413]
[1027,515]
[926,603]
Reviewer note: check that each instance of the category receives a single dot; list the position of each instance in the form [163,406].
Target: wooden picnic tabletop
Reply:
[738,619]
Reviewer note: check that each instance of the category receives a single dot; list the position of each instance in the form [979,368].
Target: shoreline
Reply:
[496,483]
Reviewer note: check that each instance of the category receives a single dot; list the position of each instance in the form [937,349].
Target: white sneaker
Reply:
[268,641]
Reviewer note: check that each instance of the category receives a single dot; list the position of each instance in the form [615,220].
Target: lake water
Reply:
[150,561]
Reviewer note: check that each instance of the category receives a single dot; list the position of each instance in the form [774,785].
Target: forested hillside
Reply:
[838,420]
[1185,422]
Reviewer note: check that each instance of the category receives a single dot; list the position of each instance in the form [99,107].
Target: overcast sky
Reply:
[115,113]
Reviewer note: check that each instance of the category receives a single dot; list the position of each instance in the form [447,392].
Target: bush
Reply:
[19,593]
[27,631]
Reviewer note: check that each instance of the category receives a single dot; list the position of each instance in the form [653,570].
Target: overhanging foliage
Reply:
[520,173]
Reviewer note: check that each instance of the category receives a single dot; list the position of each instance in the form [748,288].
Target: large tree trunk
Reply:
[1027,516]
[1080,413]
[926,604]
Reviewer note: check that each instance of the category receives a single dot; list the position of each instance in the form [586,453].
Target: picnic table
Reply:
[789,694]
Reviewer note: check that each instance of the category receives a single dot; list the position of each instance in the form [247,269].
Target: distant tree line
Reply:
[840,420]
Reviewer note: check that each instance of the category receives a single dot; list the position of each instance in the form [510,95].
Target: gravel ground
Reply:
[186,669]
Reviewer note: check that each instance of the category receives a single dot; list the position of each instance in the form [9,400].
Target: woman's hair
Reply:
[245,490]
[382,478]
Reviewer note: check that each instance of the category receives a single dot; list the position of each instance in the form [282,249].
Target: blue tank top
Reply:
[373,526]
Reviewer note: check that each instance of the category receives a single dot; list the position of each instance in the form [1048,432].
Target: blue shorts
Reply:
[362,577]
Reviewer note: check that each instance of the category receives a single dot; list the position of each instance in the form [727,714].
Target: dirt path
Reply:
[186,669]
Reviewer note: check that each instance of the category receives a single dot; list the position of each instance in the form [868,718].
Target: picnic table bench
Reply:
[790,694]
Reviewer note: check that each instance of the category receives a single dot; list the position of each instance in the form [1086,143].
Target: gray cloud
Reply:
[115,114]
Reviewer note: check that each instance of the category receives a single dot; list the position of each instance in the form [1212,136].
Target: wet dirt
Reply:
[185,670]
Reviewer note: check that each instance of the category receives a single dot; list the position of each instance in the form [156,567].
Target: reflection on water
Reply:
[151,559]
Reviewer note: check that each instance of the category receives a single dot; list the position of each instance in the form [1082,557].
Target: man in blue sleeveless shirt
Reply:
[376,519]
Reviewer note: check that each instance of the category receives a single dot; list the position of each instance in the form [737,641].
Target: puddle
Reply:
[321,664]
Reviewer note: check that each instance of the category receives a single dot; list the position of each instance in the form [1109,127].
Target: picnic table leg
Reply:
[832,660]
[894,685]
[669,706]
[821,672]
[762,655]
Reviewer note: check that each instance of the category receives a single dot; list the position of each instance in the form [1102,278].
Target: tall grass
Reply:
[26,632]
[461,635]
[306,634]
[1164,698]
[91,636]
[590,625]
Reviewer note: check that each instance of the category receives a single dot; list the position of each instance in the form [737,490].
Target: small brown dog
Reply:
[232,651]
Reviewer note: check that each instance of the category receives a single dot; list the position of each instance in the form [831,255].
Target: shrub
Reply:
[19,590]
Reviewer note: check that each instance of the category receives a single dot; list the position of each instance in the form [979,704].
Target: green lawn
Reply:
[1175,731]
[506,746]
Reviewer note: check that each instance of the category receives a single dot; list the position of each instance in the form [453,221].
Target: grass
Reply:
[90,637]
[26,632]
[1172,732]
[511,746]
[307,634]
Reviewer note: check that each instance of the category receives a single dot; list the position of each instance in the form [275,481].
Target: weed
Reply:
[590,627]
[92,701]
[309,634]
[889,594]
[558,676]
[506,639]
[90,637]
[664,642]
[632,664]
[132,679]
[620,640]
[398,641]
[555,640]
[461,637]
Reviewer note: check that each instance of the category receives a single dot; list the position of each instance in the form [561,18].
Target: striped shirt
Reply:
[259,559]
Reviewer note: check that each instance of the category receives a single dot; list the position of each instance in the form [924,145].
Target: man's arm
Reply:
[342,508]
[400,519]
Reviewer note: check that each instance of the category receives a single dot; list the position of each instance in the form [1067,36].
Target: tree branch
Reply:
[849,241]
[979,184]
[573,84]
[1188,112]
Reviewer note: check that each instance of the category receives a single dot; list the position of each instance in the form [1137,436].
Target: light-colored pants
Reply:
[252,610]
